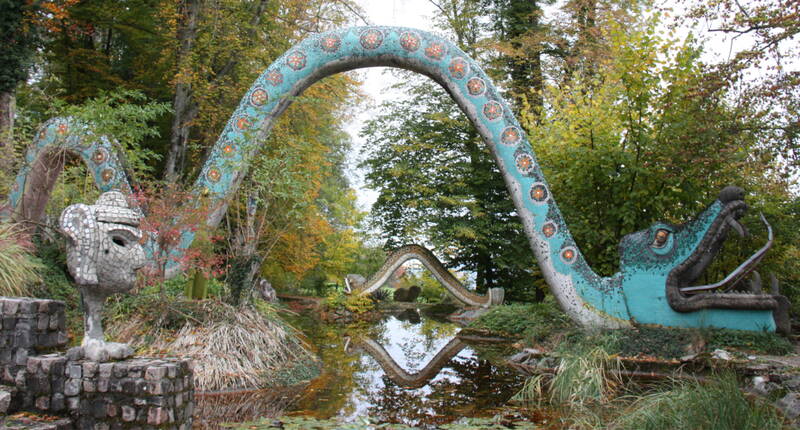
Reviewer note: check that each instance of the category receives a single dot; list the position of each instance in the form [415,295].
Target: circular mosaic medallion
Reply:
[107,175]
[568,254]
[492,110]
[275,77]
[476,86]
[409,41]
[524,163]
[228,150]
[539,193]
[549,229]
[435,51]
[259,97]
[510,135]
[330,43]
[99,156]
[213,175]
[371,39]
[458,68]
[243,122]
[62,129]
[296,60]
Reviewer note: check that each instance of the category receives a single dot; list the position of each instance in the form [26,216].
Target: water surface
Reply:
[406,369]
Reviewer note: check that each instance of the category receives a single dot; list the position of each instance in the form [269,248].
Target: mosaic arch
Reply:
[649,289]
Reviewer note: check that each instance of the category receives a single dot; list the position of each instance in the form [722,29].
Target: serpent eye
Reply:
[660,238]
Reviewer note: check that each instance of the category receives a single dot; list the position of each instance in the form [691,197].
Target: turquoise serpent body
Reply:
[635,294]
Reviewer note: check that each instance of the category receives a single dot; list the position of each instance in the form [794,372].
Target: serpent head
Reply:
[661,266]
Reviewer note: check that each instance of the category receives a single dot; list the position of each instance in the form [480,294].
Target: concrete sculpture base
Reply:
[142,393]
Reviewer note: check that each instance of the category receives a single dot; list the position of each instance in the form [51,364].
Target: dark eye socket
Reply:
[660,238]
[118,240]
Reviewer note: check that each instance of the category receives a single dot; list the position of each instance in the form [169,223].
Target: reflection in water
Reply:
[432,377]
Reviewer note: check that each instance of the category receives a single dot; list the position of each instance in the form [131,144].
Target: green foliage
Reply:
[18,268]
[355,303]
[718,405]
[642,125]
[532,322]
[439,184]
[584,376]
[55,284]
[20,39]
[127,116]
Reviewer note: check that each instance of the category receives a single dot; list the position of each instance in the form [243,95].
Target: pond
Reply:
[406,368]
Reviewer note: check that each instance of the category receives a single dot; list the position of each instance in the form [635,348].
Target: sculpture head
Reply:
[661,266]
[103,246]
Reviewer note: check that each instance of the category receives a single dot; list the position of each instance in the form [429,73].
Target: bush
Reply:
[533,322]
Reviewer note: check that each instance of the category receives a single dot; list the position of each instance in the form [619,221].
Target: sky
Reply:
[376,80]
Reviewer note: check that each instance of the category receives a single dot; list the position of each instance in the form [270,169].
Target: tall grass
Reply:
[18,268]
[233,347]
[716,405]
[584,376]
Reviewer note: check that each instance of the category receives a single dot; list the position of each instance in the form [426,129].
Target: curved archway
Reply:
[453,286]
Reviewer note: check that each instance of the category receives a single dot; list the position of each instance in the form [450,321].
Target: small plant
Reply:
[381,295]
[18,267]
[717,405]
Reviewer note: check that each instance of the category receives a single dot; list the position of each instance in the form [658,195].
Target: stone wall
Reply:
[142,393]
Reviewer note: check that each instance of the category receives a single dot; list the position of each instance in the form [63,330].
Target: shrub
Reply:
[533,322]
[18,267]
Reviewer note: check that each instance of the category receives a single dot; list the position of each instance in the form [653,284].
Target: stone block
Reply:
[10,306]
[128,413]
[33,365]
[72,387]
[105,370]
[21,357]
[120,370]
[57,402]
[74,370]
[43,403]
[43,322]
[157,416]
[73,403]
[155,373]
[5,401]
[89,386]
[89,369]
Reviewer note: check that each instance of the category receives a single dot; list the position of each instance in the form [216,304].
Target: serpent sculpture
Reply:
[437,269]
[658,265]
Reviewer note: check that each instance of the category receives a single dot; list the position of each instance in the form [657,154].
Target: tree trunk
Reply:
[7,155]
[183,103]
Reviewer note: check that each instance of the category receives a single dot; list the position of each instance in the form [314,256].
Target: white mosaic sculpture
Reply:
[103,254]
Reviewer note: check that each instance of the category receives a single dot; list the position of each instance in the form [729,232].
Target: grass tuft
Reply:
[716,405]
[18,268]
[233,347]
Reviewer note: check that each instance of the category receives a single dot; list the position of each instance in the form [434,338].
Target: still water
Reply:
[406,368]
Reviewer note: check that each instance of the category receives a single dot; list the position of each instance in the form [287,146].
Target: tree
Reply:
[439,185]
[649,130]
[762,75]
